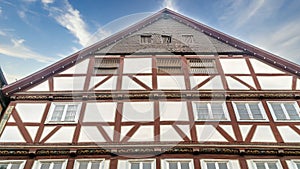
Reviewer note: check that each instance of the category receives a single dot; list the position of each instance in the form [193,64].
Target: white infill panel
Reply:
[185,129]
[110,84]
[260,67]
[144,133]
[275,82]
[80,68]
[100,112]
[138,111]
[245,130]
[63,135]
[109,131]
[46,131]
[235,85]
[171,82]
[11,134]
[247,79]
[214,84]
[32,130]
[168,133]
[95,80]
[234,66]
[31,112]
[195,80]
[173,111]
[288,135]
[207,133]
[11,119]
[147,80]
[90,134]
[68,83]
[298,84]
[229,130]
[41,87]
[129,84]
[124,131]
[263,134]
[137,65]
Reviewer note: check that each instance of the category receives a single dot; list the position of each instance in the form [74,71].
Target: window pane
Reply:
[210,166]
[222,165]
[57,113]
[71,113]
[272,165]
[45,165]
[83,164]
[298,165]
[242,110]
[3,166]
[135,165]
[278,111]
[57,165]
[15,166]
[173,165]
[96,165]
[291,110]
[185,165]
[147,165]
[256,113]
[217,111]
[260,166]
[202,111]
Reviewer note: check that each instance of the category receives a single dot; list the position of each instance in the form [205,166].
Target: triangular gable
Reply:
[215,35]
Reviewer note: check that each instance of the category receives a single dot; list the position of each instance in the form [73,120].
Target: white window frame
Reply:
[37,164]
[203,163]
[260,105]
[152,161]
[165,163]
[294,165]
[51,111]
[10,162]
[77,162]
[284,110]
[252,163]
[225,110]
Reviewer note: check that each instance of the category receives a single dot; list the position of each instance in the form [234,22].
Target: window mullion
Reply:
[266,165]
[51,165]
[216,165]
[9,166]
[64,112]
[210,114]
[284,111]
[89,165]
[178,165]
[249,111]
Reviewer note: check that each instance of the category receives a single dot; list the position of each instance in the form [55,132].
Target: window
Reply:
[266,165]
[166,39]
[169,65]
[88,164]
[295,164]
[217,165]
[249,111]
[106,66]
[141,164]
[188,38]
[202,66]
[146,39]
[284,110]
[50,164]
[11,164]
[210,110]
[64,112]
[178,164]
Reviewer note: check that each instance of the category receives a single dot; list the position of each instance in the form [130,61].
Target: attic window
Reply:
[188,38]
[106,66]
[168,65]
[146,39]
[202,66]
[166,38]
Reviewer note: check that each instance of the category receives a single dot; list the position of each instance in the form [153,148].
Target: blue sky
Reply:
[37,33]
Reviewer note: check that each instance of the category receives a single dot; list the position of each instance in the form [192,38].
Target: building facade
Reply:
[165,93]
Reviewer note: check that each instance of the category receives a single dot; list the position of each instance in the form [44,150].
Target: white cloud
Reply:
[2,33]
[22,14]
[19,50]
[71,19]
[47,1]
[0,10]
[170,4]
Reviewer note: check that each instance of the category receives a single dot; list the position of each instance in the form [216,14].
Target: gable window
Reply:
[188,38]
[50,164]
[64,112]
[88,164]
[249,111]
[168,65]
[141,164]
[106,66]
[210,110]
[266,165]
[284,110]
[11,164]
[202,66]
[178,164]
[166,39]
[146,39]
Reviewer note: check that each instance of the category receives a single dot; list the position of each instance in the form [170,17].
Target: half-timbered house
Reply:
[165,93]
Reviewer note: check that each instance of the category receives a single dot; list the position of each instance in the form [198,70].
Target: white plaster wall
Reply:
[110,84]
[100,112]
[63,135]
[263,134]
[234,66]
[11,134]
[41,87]
[137,65]
[207,133]
[275,82]
[168,133]
[173,111]
[260,67]
[144,133]
[31,112]
[68,83]
[288,135]
[90,134]
[78,68]
[129,84]
[171,82]
[138,111]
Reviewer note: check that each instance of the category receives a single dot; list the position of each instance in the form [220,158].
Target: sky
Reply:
[37,33]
